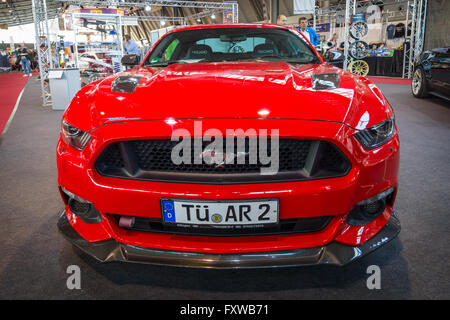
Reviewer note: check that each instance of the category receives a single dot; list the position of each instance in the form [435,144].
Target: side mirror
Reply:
[334,57]
[130,60]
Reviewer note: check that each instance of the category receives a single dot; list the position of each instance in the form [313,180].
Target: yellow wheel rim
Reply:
[359,67]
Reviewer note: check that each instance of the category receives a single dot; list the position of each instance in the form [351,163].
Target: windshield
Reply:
[231,44]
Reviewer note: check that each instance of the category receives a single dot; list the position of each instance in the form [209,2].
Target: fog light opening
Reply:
[374,208]
[368,210]
[78,207]
[84,209]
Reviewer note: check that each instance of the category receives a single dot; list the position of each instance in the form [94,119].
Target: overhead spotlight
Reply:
[213,16]
[199,20]
[163,23]
[148,8]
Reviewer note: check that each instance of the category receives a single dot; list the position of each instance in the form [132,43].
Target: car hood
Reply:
[275,90]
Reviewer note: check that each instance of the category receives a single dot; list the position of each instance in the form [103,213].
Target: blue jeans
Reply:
[26,66]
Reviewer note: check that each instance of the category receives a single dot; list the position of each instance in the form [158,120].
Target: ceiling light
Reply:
[199,20]
[213,16]
[163,23]
[148,8]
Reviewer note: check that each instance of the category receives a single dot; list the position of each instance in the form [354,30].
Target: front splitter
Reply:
[331,254]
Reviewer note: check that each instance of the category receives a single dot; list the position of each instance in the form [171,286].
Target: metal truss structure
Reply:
[350,9]
[160,3]
[412,48]
[208,7]
[181,20]
[42,47]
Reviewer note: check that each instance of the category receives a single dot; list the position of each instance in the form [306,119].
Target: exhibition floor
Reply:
[34,257]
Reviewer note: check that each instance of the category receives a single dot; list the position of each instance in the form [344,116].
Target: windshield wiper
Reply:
[162,64]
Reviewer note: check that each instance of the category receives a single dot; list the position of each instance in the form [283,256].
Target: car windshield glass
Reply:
[231,44]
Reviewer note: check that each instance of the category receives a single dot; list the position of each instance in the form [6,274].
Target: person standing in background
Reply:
[130,46]
[308,32]
[282,20]
[24,59]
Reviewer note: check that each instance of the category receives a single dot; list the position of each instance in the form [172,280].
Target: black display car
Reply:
[432,74]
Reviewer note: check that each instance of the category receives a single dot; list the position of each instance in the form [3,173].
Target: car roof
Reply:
[232,25]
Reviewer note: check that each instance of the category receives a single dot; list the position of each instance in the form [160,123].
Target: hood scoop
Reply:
[125,84]
[325,81]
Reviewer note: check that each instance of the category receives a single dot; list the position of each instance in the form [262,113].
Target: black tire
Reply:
[419,83]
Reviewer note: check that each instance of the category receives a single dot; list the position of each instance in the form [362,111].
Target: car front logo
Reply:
[221,158]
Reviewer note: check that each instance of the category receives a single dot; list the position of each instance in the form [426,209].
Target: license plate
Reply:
[220,213]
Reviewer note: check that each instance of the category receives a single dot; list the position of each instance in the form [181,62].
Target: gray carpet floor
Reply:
[34,257]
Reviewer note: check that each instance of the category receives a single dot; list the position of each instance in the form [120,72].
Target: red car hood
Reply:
[275,90]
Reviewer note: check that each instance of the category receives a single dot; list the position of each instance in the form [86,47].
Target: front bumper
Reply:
[332,254]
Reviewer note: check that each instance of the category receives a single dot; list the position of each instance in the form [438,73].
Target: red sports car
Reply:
[229,146]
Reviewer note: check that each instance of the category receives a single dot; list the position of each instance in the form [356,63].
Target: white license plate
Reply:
[220,213]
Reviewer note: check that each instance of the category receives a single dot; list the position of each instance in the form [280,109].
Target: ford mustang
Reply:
[229,146]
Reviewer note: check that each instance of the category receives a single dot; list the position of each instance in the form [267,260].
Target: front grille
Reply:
[285,226]
[299,159]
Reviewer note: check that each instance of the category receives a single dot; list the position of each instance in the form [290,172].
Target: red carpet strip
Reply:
[390,80]
[11,86]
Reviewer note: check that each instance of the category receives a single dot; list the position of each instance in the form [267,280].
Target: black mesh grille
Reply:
[332,158]
[285,226]
[79,207]
[111,157]
[151,160]
[155,155]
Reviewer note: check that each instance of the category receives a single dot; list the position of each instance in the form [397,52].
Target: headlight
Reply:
[376,135]
[74,136]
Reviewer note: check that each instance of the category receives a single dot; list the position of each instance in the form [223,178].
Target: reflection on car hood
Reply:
[230,90]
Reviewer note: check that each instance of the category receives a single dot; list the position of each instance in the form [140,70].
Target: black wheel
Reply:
[419,84]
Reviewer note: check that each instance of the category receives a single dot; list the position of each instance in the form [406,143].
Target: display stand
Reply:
[64,84]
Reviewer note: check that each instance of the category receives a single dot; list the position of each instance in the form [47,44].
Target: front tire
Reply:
[419,84]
